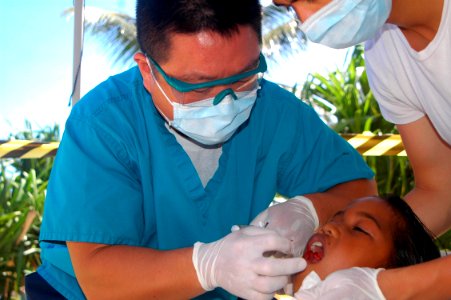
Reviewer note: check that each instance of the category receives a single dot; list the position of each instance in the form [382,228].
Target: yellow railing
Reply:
[376,145]
[27,149]
[367,145]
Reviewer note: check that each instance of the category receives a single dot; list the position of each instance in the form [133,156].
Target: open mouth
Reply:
[314,251]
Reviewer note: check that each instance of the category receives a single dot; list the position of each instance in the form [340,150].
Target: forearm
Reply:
[433,207]
[125,272]
[337,197]
[431,163]
[430,280]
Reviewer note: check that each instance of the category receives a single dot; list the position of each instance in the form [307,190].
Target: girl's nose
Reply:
[329,229]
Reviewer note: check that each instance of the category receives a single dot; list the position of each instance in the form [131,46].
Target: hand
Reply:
[349,284]
[236,263]
[295,219]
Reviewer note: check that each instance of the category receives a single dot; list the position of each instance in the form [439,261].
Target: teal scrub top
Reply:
[120,177]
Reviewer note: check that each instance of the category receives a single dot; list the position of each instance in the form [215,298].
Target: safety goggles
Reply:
[185,92]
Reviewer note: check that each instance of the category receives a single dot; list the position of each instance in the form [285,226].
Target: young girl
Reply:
[371,232]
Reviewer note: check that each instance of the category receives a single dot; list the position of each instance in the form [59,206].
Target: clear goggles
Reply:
[185,92]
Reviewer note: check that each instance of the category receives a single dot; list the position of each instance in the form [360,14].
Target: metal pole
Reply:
[78,46]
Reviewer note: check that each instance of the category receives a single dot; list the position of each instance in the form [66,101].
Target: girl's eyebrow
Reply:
[370,217]
[338,213]
[362,214]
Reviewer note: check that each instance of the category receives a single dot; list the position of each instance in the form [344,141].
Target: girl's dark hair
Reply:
[156,20]
[413,242]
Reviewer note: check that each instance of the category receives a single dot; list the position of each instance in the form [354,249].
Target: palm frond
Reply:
[116,29]
[281,34]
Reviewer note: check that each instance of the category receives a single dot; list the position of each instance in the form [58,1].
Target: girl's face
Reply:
[303,8]
[358,236]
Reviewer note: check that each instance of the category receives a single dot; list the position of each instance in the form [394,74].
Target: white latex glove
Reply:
[349,284]
[295,219]
[236,263]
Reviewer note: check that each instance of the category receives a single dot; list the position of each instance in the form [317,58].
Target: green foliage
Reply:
[346,96]
[21,205]
[22,192]
[444,241]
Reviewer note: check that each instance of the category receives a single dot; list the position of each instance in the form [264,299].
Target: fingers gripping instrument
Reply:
[236,263]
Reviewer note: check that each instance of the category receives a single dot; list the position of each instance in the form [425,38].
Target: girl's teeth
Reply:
[314,247]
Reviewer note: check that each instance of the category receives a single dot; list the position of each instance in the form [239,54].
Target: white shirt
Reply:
[408,84]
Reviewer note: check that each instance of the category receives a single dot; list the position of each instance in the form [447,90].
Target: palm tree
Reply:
[117,29]
[280,32]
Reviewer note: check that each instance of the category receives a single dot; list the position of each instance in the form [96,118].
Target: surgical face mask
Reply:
[211,124]
[345,23]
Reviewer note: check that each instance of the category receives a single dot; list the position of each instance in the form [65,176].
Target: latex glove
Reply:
[295,219]
[236,263]
[349,284]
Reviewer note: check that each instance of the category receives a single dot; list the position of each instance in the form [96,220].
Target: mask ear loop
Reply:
[158,84]
[162,91]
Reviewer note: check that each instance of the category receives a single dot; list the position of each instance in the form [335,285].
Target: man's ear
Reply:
[144,68]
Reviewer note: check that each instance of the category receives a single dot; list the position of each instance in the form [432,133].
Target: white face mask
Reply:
[345,23]
[211,124]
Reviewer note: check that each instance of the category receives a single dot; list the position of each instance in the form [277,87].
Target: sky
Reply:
[36,61]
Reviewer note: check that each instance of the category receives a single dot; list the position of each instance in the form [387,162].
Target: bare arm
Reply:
[430,157]
[126,272]
[430,280]
[337,197]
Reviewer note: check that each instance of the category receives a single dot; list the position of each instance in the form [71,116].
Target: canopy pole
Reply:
[78,46]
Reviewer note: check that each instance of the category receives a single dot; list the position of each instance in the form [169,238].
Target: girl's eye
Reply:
[359,229]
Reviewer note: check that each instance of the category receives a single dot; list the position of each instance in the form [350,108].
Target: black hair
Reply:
[413,242]
[157,19]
